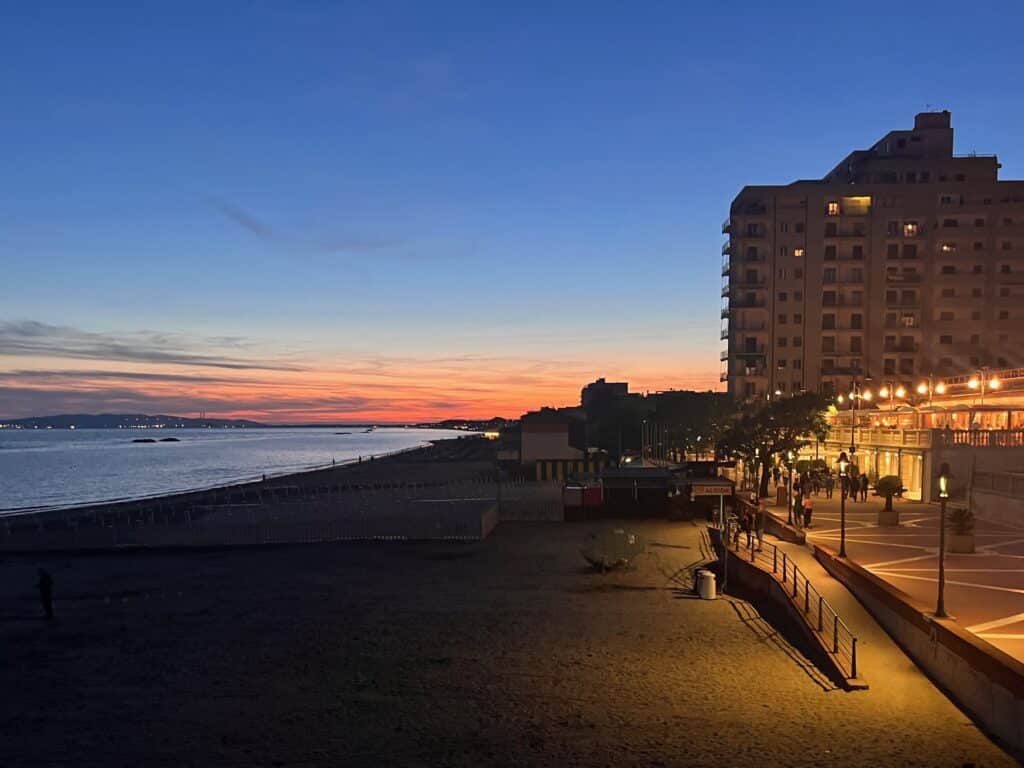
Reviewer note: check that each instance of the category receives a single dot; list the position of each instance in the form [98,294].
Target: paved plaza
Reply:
[984,591]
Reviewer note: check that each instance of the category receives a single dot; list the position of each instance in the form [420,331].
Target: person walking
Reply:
[45,587]
[808,511]
[776,474]
[830,484]
[863,486]
[759,526]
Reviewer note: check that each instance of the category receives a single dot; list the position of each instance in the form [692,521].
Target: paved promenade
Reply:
[984,591]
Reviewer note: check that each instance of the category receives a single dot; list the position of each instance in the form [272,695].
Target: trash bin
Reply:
[706,585]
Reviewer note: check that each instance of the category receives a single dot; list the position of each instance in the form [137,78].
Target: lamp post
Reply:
[790,498]
[982,381]
[944,475]
[844,463]
[929,387]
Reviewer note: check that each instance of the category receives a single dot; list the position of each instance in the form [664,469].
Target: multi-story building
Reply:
[904,262]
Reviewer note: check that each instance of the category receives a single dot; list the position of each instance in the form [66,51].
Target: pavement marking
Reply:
[996,623]
[994,588]
[1003,543]
[895,562]
[874,543]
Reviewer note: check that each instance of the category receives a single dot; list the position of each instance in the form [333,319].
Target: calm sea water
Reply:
[47,468]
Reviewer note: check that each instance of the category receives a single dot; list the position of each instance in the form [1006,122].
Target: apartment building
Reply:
[904,263]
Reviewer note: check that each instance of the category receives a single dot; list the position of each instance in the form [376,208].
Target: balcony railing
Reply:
[725,226]
[746,304]
[726,247]
[903,277]
[982,438]
[910,346]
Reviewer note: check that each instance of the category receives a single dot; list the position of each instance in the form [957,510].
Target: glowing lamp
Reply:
[973,383]
[940,388]
[840,399]
[994,383]
[778,392]
[844,464]
[883,392]
[900,392]
[944,475]
[922,389]
[867,394]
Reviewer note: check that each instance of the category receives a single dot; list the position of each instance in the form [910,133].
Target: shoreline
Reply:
[306,479]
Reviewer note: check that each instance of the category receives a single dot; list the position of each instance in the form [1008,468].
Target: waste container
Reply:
[706,585]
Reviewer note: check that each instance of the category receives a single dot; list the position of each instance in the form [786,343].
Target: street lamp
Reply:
[944,475]
[930,387]
[844,464]
[790,498]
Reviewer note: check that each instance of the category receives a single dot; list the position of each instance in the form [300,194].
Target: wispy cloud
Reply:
[262,230]
[33,338]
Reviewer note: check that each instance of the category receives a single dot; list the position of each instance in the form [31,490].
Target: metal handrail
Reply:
[830,628]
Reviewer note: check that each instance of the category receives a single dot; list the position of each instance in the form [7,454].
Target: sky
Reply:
[396,211]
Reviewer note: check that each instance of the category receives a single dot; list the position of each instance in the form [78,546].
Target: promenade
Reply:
[984,591]
[508,651]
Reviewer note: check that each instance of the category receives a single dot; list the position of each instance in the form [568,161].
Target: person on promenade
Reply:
[815,484]
[776,474]
[759,526]
[747,523]
[830,484]
[808,511]
[45,586]
[863,486]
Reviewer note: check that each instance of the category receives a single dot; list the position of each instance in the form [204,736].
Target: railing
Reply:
[897,438]
[820,616]
[1004,483]
[982,438]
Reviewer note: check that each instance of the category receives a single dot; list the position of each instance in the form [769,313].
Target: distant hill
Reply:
[126,421]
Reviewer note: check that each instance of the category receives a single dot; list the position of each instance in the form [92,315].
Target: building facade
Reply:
[904,264]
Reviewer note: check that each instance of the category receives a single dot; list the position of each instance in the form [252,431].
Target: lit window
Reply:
[832,209]
[910,229]
[948,247]
[798,252]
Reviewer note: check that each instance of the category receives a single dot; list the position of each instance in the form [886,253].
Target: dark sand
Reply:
[503,652]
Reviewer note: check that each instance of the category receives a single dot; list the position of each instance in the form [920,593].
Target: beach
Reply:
[507,651]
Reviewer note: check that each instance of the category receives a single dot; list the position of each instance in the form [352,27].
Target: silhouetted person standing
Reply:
[45,586]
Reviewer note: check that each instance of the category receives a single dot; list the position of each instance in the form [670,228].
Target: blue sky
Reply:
[533,190]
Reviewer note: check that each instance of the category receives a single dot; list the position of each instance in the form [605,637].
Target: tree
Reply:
[757,435]
[888,487]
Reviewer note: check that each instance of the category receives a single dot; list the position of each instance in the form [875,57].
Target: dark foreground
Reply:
[505,652]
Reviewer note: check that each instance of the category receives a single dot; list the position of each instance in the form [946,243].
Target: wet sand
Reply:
[501,652]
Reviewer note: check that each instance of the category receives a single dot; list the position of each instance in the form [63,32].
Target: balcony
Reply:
[746,304]
[725,226]
[844,301]
[845,370]
[758,283]
[843,233]
[726,264]
[903,277]
[758,351]
[751,325]
[753,258]
[723,355]
[901,346]
[727,247]
[903,304]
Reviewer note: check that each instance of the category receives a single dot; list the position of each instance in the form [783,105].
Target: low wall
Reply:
[760,582]
[425,520]
[986,682]
[775,525]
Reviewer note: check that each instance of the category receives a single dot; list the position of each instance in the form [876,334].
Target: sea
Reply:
[48,468]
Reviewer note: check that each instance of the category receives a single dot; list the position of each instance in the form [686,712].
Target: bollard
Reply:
[835,635]
[853,659]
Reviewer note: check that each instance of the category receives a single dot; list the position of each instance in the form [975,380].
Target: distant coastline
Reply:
[166,421]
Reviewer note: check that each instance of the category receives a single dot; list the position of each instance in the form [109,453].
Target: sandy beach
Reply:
[501,652]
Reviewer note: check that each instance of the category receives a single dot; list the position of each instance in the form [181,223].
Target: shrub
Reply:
[962,520]
[888,487]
